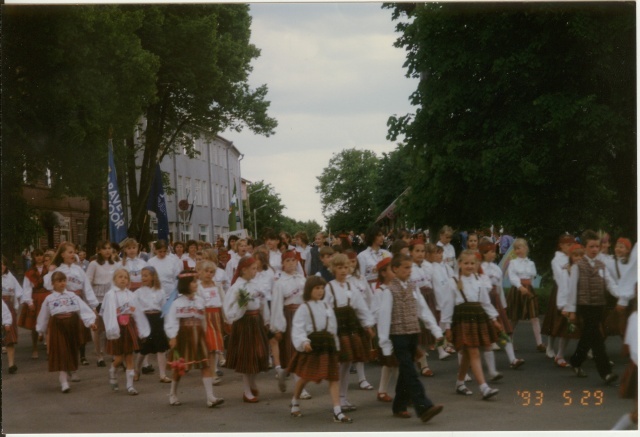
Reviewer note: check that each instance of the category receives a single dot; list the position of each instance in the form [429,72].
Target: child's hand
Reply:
[31,306]
[307,347]
[371,332]
[172,343]
[277,336]
[93,327]
[497,325]
[572,317]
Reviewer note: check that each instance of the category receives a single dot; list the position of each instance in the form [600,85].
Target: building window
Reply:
[81,238]
[65,231]
[153,228]
[187,232]
[187,188]
[180,188]
[205,193]
[196,196]
[203,235]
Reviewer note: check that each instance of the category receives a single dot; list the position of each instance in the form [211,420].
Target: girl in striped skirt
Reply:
[473,323]
[313,333]
[184,325]
[12,296]
[123,324]
[245,306]
[149,299]
[59,317]
[34,295]
[353,317]
[213,296]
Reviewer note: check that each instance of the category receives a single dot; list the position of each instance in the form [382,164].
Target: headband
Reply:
[289,254]
[382,264]
[625,241]
[187,275]
[416,241]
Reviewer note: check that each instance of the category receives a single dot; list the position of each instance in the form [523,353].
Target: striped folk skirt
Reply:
[157,340]
[629,382]
[84,333]
[63,345]
[215,330]
[319,364]
[520,307]
[28,317]
[425,337]
[191,344]
[351,336]
[10,336]
[248,350]
[471,327]
[502,312]
[127,343]
[286,345]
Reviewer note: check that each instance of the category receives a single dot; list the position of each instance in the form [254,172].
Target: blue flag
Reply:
[117,223]
[158,205]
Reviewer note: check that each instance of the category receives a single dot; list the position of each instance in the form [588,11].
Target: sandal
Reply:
[463,390]
[214,402]
[517,363]
[341,418]
[173,401]
[426,372]
[165,379]
[113,383]
[348,407]
[295,411]
[132,391]
[383,397]
[364,385]
[560,362]
[402,415]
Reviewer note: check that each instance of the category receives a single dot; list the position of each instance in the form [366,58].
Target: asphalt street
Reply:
[537,397]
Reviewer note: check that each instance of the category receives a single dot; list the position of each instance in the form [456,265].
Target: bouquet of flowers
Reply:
[503,339]
[244,298]
[571,328]
[178,363]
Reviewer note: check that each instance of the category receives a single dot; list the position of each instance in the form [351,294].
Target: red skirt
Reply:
[84,333]
[471,327]
[29,317]
[520,307]
[127,343]
[319,364]
[191,344]
[425,337]
[63,343]
[10,337]
[286,346]
[214,329]
[248,350]
[502,313]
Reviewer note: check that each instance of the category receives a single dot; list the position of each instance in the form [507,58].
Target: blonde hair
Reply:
[204,264]
[122,270]
[468,252]
[339,259]
[520,242]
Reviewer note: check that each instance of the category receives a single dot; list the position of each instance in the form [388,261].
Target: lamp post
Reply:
[255,220]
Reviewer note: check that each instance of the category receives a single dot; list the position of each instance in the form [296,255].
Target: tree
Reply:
[346,190]
[267,206]
[201,86]
[392,178]
[526,116]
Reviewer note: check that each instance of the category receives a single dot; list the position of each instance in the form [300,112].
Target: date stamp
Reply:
[585,398]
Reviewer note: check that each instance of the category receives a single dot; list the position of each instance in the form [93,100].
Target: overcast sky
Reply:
[334,79]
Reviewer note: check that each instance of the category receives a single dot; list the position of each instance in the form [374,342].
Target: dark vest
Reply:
[591,285]
[404,314]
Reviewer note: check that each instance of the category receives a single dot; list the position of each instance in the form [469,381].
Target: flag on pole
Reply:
[157,205]
[117,223]
[233,209]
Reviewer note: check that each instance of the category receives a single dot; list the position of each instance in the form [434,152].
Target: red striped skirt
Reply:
[191,343]
[425,337]
[127,343]
[351,336]
[319,364]
[215,330]
[10,337]
[248,350]
[29,317]
[471,327]
[63,345]
[520,307]
[84,333]
[286,345]
[502,313]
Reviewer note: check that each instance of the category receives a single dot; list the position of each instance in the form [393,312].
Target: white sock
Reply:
[441,351]
[247,386]
[490,359]
[360,370]
[550,342]
[162,364]
[112,371]
[508,348]
[562,344]
[344,380]
[278,367]
[337,410]
[423,361]
[139,360]
[484,387]
[624,422]
[174,388]
[459,383]
[294,401]
[385,373]
[535,324]
[130,374]
[208,387]
[62,377]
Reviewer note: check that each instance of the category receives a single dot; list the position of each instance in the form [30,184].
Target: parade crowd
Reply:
[318,311]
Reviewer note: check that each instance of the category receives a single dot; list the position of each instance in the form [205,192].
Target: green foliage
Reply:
[526,116]
[392,179]
[347,186]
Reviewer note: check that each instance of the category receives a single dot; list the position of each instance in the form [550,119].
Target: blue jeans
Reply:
[408,386]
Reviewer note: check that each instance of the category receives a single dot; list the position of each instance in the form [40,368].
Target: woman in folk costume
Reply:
[12,296]
[60,314]
[246,308]
[124,324]
[34,295]
[372,255]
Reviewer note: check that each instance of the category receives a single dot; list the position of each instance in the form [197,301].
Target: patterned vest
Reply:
[591,286]
[404,314]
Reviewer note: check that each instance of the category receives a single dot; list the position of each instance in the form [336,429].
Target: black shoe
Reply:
[147,369]
[84,361]
[611,377]
[431,412]
[579,372]
[101,363]
[219,372]
[13,369]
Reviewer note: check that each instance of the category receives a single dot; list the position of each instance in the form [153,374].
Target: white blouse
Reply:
[265,281]
[346,295]
[149,299]
[134,267]
[27,287]
[118,302]
[7,318]
[221,279]
[101,274]
[368,259]
[60,303]
[258,301]
[168,269]
[324,317]
[443,286]
[493,272]
[475,289]
[521,268]
[11,287]
[427,268]
[288,290]
[211,295]
[184,307]
[362,285]
[76,280]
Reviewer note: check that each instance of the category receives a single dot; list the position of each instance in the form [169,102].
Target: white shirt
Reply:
[27,287]
[345,295]
[302,325]
[427,268]
[76,281]
[449,255]
[443,286]
[134,267]
[60,303]
[211,295]
[183,308]
[221,279]
[258,301]
[265,281]
[631,336]
[117,302]
[521,268]
[149,299]
[101,274]
[7,318]
[362,285]
[475,289]
[287,290]
[626,288]
[368,259]
[232,265]
[275,260]
[493,272]
[168,269]
[11,287]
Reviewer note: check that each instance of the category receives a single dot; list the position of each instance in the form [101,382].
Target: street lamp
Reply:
[255,220]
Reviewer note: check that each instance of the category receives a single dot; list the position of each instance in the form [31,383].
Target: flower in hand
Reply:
[244,297]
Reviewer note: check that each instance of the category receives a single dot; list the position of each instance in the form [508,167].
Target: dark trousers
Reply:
[408,386]
[591,338]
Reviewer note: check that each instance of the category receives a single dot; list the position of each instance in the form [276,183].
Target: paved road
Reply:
[33,402]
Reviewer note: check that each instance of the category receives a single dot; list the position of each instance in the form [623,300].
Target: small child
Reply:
[34,294]
[59,317]
[473,324]
[123,324]
[314,337]
[213,296]
[389,362]
[132,262]
[11,295]
[149,299]
[326,253]
[449,252]
[184,325]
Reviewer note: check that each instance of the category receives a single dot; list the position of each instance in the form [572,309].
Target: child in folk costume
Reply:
[474,323]
[168,267]
[576,253]
[149,299]
[11,296]
[360,284]
[184,325]
[614,319]
[443,287]
[100,274]
[285,300]
[494,274]
[389,362]
[325,253]
[314,329]
[34,294]
[449,252]
[401,307]
[353,316]
[246,308]
[213,296]
[372,255]
[60,314]
[626,290]
[241,251]
[124,324]
[271,240]
[132,262]
[77,282]
[522,301]
[586,299]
